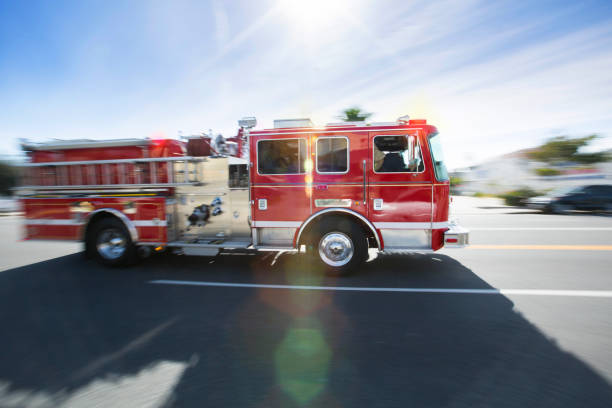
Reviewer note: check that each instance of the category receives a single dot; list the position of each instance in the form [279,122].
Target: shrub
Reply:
[455,180]
[546,171]
[518,197]
[454,183]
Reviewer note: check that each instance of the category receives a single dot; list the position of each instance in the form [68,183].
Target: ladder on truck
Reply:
[142,173]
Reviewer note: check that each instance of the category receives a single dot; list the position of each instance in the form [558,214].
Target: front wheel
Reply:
[560,208]
[109,243]
[341,248]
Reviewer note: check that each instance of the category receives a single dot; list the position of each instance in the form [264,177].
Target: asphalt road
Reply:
[77,334]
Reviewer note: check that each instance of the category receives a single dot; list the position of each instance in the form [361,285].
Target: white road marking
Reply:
[528,292]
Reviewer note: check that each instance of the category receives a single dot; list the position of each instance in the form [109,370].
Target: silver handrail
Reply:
[63,173]
[118,161]
[364,182]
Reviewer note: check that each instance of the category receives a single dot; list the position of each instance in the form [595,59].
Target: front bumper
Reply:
[456,236]
[539,203]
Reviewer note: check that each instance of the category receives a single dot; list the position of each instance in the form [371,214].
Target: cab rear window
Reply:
[332,155]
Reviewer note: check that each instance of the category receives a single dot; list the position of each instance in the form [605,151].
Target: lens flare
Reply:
[302,363]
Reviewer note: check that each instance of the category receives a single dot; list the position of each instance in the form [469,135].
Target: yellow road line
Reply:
[546,247]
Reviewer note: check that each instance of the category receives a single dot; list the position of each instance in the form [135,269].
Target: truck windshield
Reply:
[438,157]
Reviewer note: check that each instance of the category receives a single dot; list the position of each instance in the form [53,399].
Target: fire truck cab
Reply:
[334,192]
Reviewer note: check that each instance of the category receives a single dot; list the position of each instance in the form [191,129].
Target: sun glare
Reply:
[312,17]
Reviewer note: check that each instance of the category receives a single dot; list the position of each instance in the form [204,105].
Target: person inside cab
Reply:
[396,154]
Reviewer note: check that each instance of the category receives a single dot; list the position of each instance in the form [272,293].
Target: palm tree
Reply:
[354,114]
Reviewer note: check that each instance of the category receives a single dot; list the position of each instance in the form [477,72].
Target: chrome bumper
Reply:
[456,236]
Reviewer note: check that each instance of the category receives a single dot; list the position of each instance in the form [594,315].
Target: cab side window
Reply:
[332,155]
[397,154]
[282,156]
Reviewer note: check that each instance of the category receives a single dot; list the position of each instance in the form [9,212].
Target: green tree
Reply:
[354,114]
[564,149]
[456,180]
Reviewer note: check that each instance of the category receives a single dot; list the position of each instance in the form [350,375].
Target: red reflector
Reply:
[451,239]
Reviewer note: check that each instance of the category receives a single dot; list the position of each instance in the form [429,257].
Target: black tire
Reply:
[560,208]
[338,231]
[109,243]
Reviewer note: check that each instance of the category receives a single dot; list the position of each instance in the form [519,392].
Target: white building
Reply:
[515,170]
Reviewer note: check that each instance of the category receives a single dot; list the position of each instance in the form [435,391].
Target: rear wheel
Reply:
[340,247]
[109,243]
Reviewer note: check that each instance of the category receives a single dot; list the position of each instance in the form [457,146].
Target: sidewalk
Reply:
[464,205]
[9,206]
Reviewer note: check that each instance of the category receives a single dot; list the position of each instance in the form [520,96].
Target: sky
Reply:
[493,76]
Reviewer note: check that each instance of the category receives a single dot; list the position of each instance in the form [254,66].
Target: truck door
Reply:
[400,190]
[280,190]
[339,162]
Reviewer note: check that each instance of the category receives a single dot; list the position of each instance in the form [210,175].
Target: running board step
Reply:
[209,244]
[195,251]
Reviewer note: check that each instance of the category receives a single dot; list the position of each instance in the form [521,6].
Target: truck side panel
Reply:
[66,218]
[49,219]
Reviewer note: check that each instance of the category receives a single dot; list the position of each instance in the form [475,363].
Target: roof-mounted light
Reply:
[248,122]
[403,120]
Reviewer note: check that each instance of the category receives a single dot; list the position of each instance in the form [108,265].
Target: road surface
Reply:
[521,319]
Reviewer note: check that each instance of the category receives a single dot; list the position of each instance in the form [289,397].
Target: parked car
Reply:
[597,197]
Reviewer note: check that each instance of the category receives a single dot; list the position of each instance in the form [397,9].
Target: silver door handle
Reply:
[364,182]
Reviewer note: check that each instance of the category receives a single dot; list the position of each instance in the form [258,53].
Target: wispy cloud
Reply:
[492,76]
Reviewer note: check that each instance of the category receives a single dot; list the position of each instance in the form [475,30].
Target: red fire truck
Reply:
[333,192]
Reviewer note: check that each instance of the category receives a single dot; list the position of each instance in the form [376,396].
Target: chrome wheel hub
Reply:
[336,249]
[111,243]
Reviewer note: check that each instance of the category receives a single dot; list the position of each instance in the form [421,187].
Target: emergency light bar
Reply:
[292,123]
